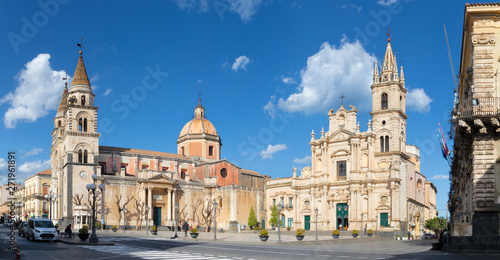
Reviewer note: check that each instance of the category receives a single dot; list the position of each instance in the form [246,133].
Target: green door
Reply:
[157,216]
[307,222]
[342,216]
[263,224]
[282,221]
[384,219]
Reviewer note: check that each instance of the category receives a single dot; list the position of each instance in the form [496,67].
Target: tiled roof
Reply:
[482,4]
[80,77]
[138,151]
[46,172]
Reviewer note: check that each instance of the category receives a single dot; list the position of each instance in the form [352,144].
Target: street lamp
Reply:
[176,207]
[316,211]
[215,220]
[147,223]
[50,197]
[376,225]
[279,221]
[92,188]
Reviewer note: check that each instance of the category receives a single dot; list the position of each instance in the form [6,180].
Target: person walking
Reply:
[185,228]
[366,225]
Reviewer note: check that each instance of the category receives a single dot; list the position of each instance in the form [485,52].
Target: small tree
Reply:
[437,224]
[252,219]
[274,216]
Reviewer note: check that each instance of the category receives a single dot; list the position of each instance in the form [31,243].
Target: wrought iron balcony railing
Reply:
[478,107]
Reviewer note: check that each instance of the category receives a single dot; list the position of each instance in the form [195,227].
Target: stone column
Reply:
[150,203]
[169,205]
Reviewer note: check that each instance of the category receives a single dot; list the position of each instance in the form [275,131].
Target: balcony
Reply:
[478,107]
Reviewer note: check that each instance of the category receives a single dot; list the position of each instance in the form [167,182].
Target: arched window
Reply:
[384,101]
[386,143]
[85,125]
[124,168]
[83,100]
[183,175]
[80,125]
[80,156]
[400,102]
[381,144]
[85,156]
[59,123]
[182,150]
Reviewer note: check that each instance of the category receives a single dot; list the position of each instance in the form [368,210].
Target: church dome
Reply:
[198,126]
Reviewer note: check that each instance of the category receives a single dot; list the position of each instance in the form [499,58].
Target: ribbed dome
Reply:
[198,126]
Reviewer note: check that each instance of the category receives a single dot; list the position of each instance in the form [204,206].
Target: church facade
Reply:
[360,179]
[145,187]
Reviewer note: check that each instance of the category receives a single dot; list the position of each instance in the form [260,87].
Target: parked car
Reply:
[22,229]
[430,236]
[41,229]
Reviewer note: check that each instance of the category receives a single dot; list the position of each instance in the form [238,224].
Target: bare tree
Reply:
[139,208]
[206,212]
[121,207]
[77,199]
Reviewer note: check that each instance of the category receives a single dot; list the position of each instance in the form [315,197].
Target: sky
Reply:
[268,72]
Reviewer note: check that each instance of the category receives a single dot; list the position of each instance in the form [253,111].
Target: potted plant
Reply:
[264,235]
[83,233]
[300,233]
[370,232]
[114,228]
[398,237]
[194,232]
[355,233]
[153,230]
[288,229]
[336,233]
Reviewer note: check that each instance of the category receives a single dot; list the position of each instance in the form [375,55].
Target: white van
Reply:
[41,229]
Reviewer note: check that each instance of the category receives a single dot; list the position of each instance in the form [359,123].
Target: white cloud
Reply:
[246,9]
[288,80]
[107,92]
[304,160]
[440,177]
[270,108]
[33,151]
[199,81]
[417,99]
[352,7]
[272,149]
[3,164]
[329,73]
[240,63]
[39,91]
[386,2]
[34,167]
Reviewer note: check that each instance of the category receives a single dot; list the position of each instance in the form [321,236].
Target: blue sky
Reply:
[268,71]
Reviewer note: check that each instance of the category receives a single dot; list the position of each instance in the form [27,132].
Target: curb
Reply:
[86,243]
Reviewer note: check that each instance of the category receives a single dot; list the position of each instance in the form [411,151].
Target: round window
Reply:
[223,172]
[307,203]
[383,122]
[384,199]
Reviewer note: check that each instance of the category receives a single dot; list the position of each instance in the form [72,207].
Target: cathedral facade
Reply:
[141,187]
[361,179]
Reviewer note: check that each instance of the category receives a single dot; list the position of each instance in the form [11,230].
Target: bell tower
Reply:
[388,104]
[75,143]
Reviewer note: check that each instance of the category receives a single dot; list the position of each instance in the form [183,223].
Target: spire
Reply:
[402,78]
[388,58]
[375,70]
[80,77]
[64,100]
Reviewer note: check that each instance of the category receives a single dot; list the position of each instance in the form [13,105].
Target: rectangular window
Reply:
[44,207]
[341,169]
[210,151]
[290,220]
[282,201]
[274,202]
[290,205]
[44,190]
[282,221]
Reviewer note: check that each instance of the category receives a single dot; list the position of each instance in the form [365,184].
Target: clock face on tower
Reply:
[83,175]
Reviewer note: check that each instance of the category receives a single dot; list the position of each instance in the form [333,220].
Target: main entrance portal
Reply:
[342,216]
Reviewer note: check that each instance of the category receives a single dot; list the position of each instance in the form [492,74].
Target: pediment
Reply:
[161,178]
[340,135]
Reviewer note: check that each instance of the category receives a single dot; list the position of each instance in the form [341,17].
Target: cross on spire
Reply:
[81,43]
[66,79]
[342,97]
[389,32]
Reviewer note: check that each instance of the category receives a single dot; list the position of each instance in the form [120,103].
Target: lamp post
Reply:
[362,233]
[147,223]
[376,225]
[92,188]
[316,211]
[279,221]
[50,197]
[215,220]
[176,207]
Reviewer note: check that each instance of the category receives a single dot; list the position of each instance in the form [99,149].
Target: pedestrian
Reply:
[68,231]
[366,225]
[185,227]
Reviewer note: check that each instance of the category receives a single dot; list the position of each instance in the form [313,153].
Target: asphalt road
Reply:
[165,248]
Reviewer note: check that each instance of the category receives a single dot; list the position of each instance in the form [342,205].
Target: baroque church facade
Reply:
[361,179]
[145,185]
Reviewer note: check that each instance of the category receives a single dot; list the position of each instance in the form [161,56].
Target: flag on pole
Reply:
[443,144]
[440,140]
